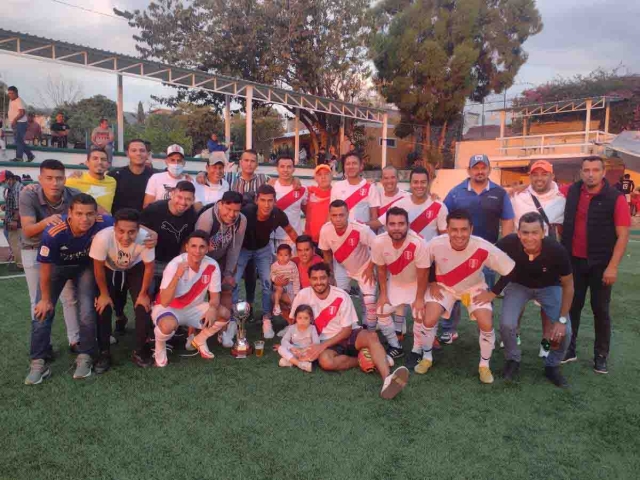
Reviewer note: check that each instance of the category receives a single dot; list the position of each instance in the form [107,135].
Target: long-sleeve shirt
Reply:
[296,338]
[288,271]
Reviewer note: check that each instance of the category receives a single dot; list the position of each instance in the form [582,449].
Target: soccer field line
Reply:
[11,276]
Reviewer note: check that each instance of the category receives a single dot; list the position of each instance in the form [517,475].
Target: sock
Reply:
[428,335]
[370,307]
[399,322]
[487,342]
[209,332]
[417,338]
[386,327]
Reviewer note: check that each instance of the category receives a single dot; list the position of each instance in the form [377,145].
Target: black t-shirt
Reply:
[172,231]
[258,232]
[627,186]
[130,188]
[545,270]
[59,127]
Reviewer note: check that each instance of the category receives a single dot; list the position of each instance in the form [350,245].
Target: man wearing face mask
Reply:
[160,185]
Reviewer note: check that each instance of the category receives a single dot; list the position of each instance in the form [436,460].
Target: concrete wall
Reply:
[466,149]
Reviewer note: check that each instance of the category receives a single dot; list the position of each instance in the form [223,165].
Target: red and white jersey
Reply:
[387,202]
[331,314]
[425,218]
[290,201]
[402,265]
[359,198]
[192,286]
[461,271]
[352,249]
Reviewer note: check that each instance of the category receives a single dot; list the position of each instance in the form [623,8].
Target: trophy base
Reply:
[241,353]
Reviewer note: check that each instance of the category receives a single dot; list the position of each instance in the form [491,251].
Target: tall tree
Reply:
[59,90]
[433,55]
[140,115]
[313,46]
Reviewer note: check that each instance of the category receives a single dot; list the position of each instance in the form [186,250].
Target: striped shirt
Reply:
[288,271]
[240,185]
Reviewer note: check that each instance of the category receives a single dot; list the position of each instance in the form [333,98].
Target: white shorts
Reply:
[343,279]
[191,316]
[388,309]
[449,298]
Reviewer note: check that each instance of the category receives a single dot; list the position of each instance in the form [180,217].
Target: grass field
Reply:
[250,419]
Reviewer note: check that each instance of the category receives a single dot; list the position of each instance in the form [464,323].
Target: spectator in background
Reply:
[214,146]
[12,228]
[102,137]
[302,155]
[59,132]
[3,144]
[627,186]
[34,131]
[322,156]
[18,121]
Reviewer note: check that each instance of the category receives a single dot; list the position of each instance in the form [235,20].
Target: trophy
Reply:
[242,348]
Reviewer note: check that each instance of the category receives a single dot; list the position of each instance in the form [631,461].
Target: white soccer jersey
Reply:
[425,219]
[161,184]
[212,193]
[461,271]
[387,202]
[402,264]
[105,248]
[290,201]
[192,286]
[359,198]
[552,203]
[351,249]
[331,314]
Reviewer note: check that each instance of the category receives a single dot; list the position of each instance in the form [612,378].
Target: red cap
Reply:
[542,164]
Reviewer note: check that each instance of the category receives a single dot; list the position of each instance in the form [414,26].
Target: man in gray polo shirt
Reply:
[41,205]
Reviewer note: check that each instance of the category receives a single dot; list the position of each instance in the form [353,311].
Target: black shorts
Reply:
[348,346]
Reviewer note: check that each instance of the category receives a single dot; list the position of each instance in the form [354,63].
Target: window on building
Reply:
[391,142]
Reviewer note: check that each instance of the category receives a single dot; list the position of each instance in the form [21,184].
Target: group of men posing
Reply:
[181,246]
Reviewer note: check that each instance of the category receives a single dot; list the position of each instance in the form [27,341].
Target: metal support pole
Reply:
[341,146]
[249,118]
[296,143]
[120,115]
[587,124]
[227,123]
[607,115]
[383,162]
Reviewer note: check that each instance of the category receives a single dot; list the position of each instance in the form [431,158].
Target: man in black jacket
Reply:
[595,233]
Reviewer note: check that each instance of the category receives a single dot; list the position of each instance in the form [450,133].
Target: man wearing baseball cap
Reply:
[318,203]
[214,183]
[491,212]
[161,184]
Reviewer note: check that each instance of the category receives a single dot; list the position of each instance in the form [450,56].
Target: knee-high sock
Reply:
[428,335]
[370,307]
[208,332]
[400,320]
[386,327]
[161,339]
[487,342]
[417,338]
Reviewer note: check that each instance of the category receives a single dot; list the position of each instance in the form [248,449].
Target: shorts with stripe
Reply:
[191,316]
[449,299]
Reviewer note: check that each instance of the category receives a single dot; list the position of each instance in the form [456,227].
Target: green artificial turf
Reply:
[251,419]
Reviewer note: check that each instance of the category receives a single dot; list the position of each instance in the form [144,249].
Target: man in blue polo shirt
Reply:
[490,209]
[64,256]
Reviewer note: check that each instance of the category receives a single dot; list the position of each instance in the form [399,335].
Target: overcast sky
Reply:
[578,37]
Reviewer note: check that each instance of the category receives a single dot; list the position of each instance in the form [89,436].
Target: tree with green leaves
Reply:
[161,130]
[433,55]
[313,46]
[83,116]
[140,115]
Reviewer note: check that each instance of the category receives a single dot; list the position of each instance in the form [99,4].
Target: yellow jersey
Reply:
[102,190]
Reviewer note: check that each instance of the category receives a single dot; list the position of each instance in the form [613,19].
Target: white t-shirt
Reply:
[359,198]
[351,249]
[212,193]
[14,107]
[387,202]
[425,219]
[552,202]
[402,264]
[331,314]
[290,201]
[105,248]
[461,271]
[192,286]
[161,184]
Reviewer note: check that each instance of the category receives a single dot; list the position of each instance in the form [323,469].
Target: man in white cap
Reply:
[161,184]
[214,183]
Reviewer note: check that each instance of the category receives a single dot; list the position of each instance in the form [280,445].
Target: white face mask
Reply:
[175,169]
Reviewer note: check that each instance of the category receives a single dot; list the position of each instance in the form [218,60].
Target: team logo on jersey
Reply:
[429,214]
[473,263]
[408,255]
[352,242]
[332,310]
[206,278]
[363,191]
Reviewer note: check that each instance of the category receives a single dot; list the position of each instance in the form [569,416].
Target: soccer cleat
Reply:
[276,310]
[284,363]
[103,363]
[412,360]
[113,340]
[83,366]
[121,324]
[394,383]
[306,366]
[600,365]
[74,348]
[511,370]
[39,370]
[142,359]
[189,343]
[203,350]
[554,376]
[570,356]
[160,354]
[485,374]
[267,328]
[395,353]
[423,366]
[448,338]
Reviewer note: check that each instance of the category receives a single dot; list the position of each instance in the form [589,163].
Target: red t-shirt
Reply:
[304,274]
[317,212]
[621,218]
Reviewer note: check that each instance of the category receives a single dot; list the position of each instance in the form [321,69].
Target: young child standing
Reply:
[283,267]
[298,337]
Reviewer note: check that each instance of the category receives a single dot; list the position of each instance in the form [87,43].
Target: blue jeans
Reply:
[263,258]
[21,147]
[84,283]
[516,297]
[450,325]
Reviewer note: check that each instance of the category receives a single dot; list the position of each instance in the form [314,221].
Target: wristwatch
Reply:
[563,320]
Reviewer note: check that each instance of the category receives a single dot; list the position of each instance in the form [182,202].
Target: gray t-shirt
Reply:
[34,204]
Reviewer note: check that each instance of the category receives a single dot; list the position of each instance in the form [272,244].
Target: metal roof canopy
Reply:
[563,106]
[77,55]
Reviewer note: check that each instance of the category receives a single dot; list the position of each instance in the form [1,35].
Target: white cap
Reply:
[217,157]
[175,149]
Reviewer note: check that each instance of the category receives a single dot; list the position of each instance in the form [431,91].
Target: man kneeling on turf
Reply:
[460,258]
[342,339]
[181,300]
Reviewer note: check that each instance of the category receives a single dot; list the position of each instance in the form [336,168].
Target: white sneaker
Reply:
[394,383]
[543,353]
[276,310]
[188,346]
[160,354]
[306,366]
[113,340]
[228,335]
[267,328]
[284,362]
